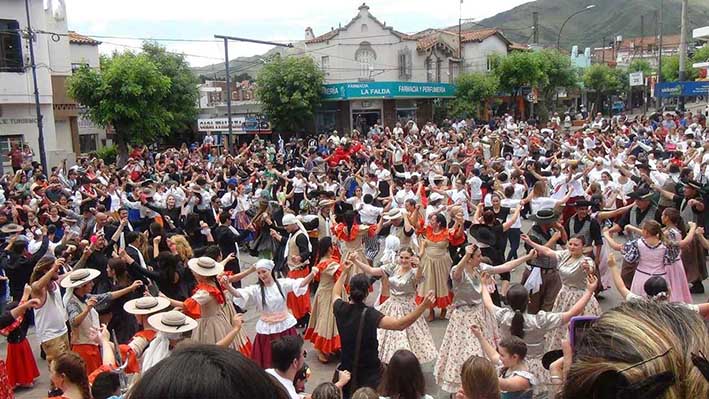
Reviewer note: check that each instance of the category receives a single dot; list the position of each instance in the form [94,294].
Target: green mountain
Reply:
[610,18]
[237,66]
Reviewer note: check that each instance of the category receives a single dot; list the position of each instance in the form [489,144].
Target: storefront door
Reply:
[364,120]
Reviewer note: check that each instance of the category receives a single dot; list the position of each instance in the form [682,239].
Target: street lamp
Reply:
[558,39]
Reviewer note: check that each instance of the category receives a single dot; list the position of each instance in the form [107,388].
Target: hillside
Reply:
[250,65]
[608,19]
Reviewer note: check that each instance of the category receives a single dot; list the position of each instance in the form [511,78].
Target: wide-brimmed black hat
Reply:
[694,184]
[482,234]
[544,216]
[550,357]
[642,193]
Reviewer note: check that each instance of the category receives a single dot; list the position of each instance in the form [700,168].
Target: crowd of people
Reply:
[132,276]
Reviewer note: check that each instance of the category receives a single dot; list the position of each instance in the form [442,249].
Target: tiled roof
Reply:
[76,38]
[478,35]
[519,46]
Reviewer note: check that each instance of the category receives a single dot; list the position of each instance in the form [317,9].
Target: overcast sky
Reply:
[272,20]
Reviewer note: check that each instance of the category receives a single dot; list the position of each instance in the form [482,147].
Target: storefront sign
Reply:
[18,121]
[677,89]
[221,124]
[346,91]
[636,79]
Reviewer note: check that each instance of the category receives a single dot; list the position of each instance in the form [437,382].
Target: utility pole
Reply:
[535,25]
[642,35]
[603,50]
[683,50]
[40,126]
[228,78]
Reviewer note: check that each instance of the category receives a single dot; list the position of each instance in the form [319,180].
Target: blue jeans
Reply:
[513,235]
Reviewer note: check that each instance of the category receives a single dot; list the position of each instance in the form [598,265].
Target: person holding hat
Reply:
[269,298]
[141,308]
[211,305]
[82,316]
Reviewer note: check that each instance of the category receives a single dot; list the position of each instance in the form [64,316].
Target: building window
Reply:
[87,143]
[489,62]
[365,28]
[365,56]
[403,115]
[405,64]
[433,69]
[76,66]
[6,143]
[325,62]
[10,46]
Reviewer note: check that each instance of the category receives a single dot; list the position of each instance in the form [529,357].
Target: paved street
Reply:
[320,372]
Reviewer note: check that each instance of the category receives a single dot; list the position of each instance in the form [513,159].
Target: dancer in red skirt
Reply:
[269,297]
[298,251]
[21,367]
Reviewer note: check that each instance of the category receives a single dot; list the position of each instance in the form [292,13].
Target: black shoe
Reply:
[697,288]
[56,392]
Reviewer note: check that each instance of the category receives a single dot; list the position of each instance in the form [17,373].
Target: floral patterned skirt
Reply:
[459,343]
[566,299]
[417,338]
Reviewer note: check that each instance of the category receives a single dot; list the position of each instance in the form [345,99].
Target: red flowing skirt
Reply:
[6,392]
[21,366]
[91,355]
[299,305]
[324,345]
[261,351]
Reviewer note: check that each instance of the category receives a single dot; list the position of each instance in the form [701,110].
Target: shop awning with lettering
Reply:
[393,90]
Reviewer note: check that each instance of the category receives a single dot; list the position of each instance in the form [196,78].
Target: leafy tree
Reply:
[128,93]
[471,91]
[243,76]
[640,66]
[181,102]
[289,89]
[517,70]
[558,72]
[604,80]
[670,69]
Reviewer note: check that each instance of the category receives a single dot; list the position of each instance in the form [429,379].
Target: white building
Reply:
[55,61]
[375,74]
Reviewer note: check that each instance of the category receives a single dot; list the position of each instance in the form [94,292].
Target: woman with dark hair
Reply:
[269,298]
[351,234]
[322,330]
[403,378]
[574,269]
[122,323]
[19,368]
[68,373]
[358,322]
[436,260]
[223,373]
[533,328]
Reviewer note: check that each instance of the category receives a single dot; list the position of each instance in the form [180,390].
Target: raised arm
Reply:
[489,350]
[44,281]
[236,323]
[689,238]
[610,241]
[541,249]
[513,264]
[617,279]
[127,290]
[515,215]
[372,271]
[390,323]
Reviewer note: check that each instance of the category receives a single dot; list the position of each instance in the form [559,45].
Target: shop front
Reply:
[361,105]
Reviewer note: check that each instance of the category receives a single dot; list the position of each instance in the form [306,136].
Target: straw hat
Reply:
[146,305]
[172,322]
[79,277]
[393,214]
[205,266]
[11,228]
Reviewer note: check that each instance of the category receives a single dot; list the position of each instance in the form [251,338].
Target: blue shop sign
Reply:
[358,90]
[677,89]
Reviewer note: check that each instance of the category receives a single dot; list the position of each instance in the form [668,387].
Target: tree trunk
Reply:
[122,147]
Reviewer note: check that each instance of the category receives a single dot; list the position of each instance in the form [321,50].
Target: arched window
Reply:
[365,56]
